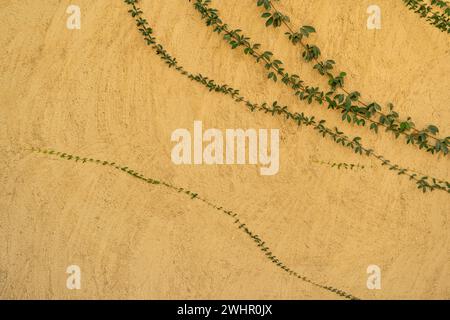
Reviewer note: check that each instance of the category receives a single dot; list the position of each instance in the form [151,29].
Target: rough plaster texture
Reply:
[100,92]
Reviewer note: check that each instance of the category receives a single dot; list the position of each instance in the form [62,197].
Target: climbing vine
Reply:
[443,5]
[338,165]
[237,221]
[390,121]
[429,13]
[354,167]
[425,183]
[345,103]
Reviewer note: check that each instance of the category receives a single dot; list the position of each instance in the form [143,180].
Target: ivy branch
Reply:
[365,111]
[351,166]
[443,5]
[428,12]
[236,39]
[425,183]
[237,221]
[338,165]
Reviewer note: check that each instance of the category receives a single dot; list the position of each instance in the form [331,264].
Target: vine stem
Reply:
[437,18]
[288,26]
[259,242]
[302,88]
[338,137]
[214,19]
[224,27]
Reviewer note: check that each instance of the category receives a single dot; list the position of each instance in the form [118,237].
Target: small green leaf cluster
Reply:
[428,12]
[443,5]
[339,165]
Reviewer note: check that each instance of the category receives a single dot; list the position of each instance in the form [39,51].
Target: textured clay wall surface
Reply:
[101,92]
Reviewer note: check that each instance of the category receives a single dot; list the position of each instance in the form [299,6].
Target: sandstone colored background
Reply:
[100,92]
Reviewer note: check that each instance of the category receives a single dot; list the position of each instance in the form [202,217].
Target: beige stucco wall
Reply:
[100,92]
